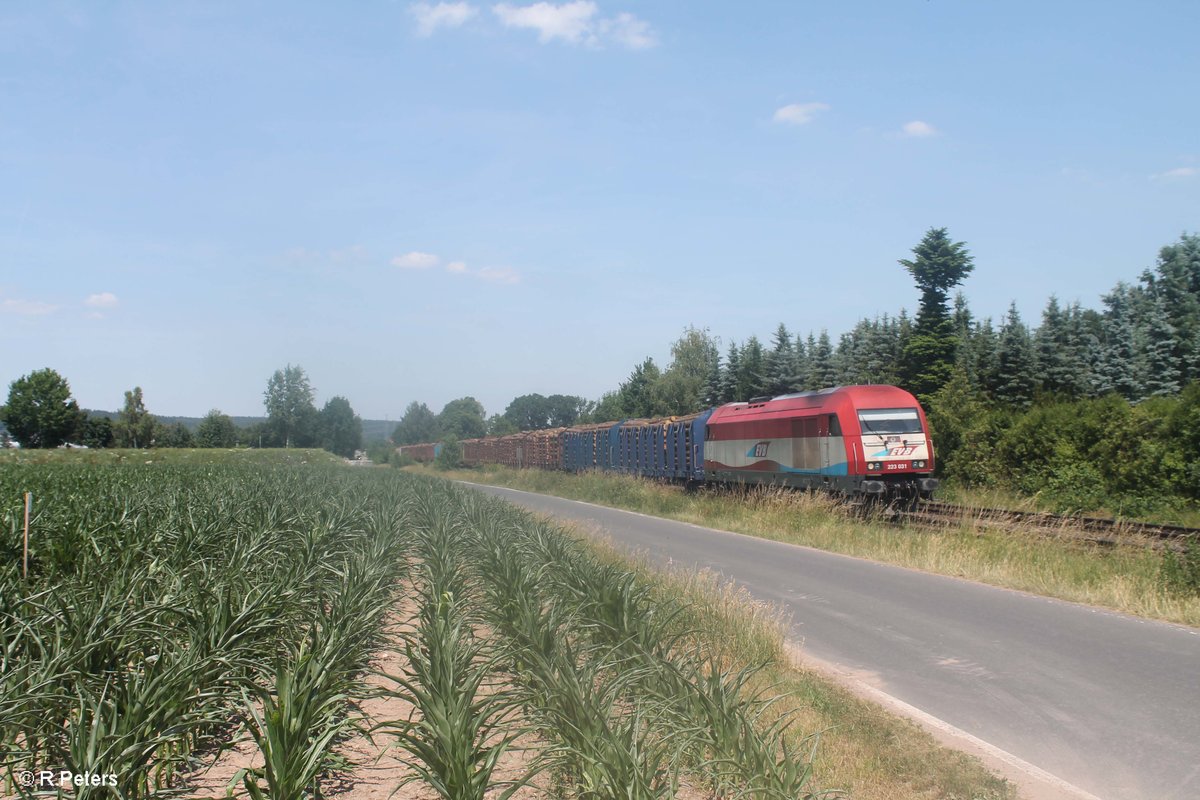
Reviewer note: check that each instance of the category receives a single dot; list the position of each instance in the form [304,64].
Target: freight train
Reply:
[868,440]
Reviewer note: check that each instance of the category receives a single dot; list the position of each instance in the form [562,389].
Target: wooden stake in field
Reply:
[25,561]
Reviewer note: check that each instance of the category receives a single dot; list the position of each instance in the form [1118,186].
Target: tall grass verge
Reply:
[1124,578]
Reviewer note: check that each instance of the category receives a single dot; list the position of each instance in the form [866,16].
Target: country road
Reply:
[1104,702]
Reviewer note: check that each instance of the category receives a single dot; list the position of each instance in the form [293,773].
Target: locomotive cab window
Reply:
[889,420]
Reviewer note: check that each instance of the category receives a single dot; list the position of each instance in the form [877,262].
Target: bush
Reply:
[450,456]
[1180,572]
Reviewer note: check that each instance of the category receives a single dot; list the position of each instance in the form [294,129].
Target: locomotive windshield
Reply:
[889,420]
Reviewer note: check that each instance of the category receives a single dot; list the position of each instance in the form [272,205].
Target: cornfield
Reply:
[171,611]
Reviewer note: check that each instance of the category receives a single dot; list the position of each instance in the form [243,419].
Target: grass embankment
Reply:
[1127,579]
[994,497]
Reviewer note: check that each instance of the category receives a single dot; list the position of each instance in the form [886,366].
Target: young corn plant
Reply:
[296,728]
[458,733]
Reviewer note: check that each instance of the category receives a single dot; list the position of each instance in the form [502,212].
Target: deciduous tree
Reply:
[216,430]
[341,428]
[135,425]
[290,411]
[417,426]
[40,411]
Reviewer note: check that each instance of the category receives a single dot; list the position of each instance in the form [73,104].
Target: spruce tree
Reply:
[1015,361]
[751,380]
[939,264]
[1055,367]
[1162,371]
[729,379]
[1121,368]
[779,362]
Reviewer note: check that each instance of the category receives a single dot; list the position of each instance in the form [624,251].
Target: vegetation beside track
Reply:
[172,608]
[1128,579]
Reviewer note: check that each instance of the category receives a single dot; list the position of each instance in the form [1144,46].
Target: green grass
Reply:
[166,455]
[1127,579]
[1180,513]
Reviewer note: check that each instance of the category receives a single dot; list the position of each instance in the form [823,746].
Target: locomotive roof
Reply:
[860,396]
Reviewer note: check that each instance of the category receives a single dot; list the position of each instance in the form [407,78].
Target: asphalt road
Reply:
[1103,701]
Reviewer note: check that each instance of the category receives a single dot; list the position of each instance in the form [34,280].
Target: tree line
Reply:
[1088,407]
[41,413]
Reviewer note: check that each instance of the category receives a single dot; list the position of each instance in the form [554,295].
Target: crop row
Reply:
[168,610]
[166,607]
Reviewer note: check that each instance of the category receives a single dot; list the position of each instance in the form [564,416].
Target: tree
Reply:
[751,378]
[682,387]
[291,415]
[417,426]
[341,428]
[1162,363]
[135,425]
[463,418]
[96,432]
[500,425]
[216,430]
[40,411]
[780,363]
[639,394]
[566,409]
[939,265]
[1120,368]
[1016,362]
[529,412]
[176,435]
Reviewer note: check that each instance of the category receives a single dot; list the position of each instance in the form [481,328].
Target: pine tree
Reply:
[1121,369]
[752,380]
[1175,281]
[713,395]
[729,380]
[821,373]
[1053,351]
[1015,359]
[779,363]
[800,358]
[1162,364]
[939,265]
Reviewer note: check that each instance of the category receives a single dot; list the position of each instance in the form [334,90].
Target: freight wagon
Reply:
[871,440]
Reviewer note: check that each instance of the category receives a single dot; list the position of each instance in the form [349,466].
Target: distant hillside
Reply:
[374,430]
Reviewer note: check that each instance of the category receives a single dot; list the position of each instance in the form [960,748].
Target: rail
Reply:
[1094,530]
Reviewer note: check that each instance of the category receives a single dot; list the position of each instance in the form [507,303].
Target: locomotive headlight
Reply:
[874,465]
[918,465]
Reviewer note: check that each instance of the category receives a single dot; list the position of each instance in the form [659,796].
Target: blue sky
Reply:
[420,201]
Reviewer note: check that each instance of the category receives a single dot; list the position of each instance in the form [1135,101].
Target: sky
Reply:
[422,201]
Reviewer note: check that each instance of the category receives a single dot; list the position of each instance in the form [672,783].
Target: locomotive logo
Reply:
[758,451]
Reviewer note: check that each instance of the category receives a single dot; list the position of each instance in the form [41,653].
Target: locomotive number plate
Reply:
[895,465]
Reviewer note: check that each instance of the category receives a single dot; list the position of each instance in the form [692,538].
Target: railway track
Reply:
[1087,529]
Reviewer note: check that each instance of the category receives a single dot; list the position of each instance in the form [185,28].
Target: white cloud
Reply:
[416,260]
[26,308]
[498,275]
[569,21]
[799,113]
[102,300]
[1177,174]
[456,266]
[629,31]
[918,129]
[443,15]
[577,22]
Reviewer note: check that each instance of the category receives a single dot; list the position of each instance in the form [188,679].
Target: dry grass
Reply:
[861,748]
[1125,579]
